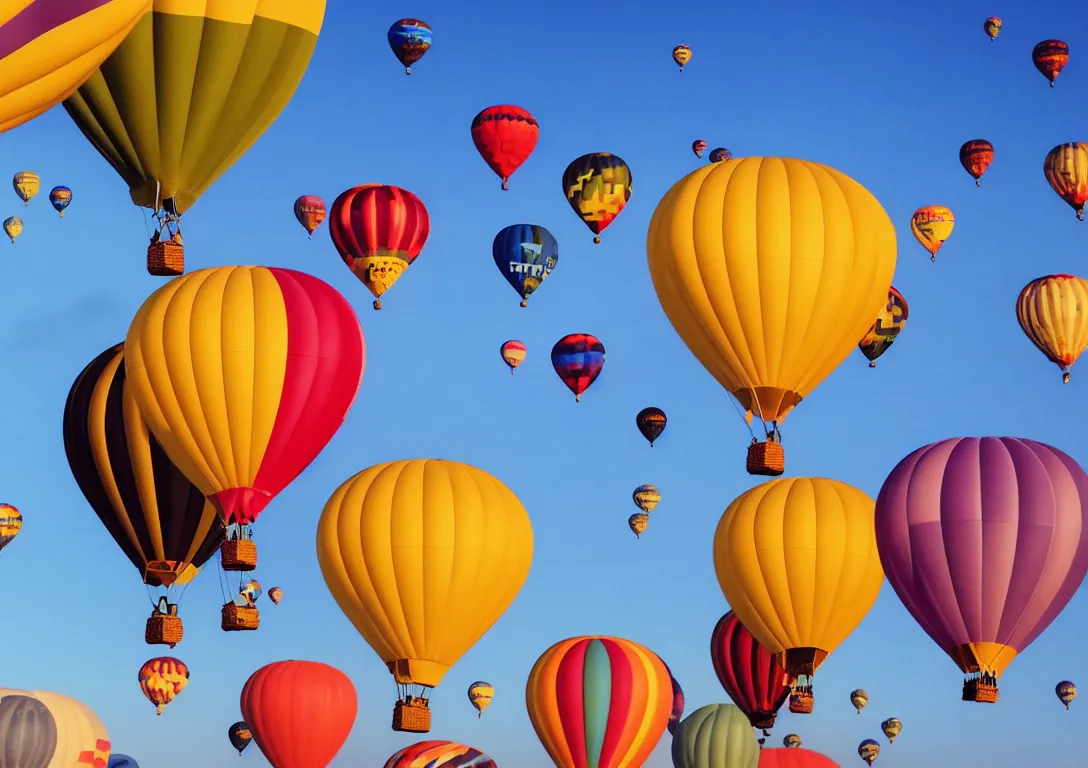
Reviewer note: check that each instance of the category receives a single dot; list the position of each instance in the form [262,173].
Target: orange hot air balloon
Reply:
[1053,313]
[310,212]
[243,374]
[975,157]
[299,712]
[1066,170]
[505,136]
[379,231]
[599,701]
[1050,57]
[162,679]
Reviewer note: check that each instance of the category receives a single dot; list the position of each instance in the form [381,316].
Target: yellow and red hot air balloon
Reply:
[11,522]
[681,54]
[975,157]
[513,353]
[1050,58]
[931,226]
[243,374]
[1053,313]
[992,27]
[162,679]
[1066,170]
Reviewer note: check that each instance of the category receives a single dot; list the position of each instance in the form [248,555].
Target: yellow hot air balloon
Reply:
[646,497]
[481,694]
[681,54]
[423,556]
[797,562]
[26,184]
[1053,313]
[770,269]
[13,227]
[860,699]
[638,523]
[1066,170]
[932,225]
[82,739]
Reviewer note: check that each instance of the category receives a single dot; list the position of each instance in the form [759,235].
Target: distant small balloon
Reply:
[869,751]
[638,523]
[1066,692]
[681,54]
[720,155]
[791,741]
[992,27]
[1050,58]
[310,212]
[699,147]
[513,353]
[60,198]
[240,736]
[651,423]
[13,227]
[26,184]
[11,522]
[892,727]
[410,39]
[275,595]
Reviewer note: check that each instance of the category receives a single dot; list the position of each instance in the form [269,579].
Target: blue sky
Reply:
[882,94]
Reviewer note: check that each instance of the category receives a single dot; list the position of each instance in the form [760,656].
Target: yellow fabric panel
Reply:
[304,14]
[796,559]
[78,729]
[423,557]
[205,360]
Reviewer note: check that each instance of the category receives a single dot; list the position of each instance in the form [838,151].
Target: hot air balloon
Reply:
[932,226]
[11,522]
[1066,692]
[26,185]
[651,423]
[638,523]
[597,186]
[892,727]
[1066,170]
[992,27]
[749,673]
[275,595]
[82,739]
[885,330]
[869,751]
[646,497]
[28,732]
[161,679]
[480,695]
[799,600]
[435,754]
[310,212]
[299,712]
[578,359]
[122,761]
[860,699]
[599,701]
[513,353]
[1053,313]
[525,254]
[13,227]
[239,736]
[505,136]
[231,73]
[409,39]
[715,736]
[797,757]
[828,265]
[681,54]
[699,147]
[720,155]
[934,513]
[251,592]
[225,324]
[791,741]
[378,231]
[1050,57]
[60,198]
[975,157]
[421,621]
[54,47]
[677,710]
[160,520]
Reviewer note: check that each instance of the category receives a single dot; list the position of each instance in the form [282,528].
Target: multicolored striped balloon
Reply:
[599,702]
[513,353]
[439,754]
[578,359]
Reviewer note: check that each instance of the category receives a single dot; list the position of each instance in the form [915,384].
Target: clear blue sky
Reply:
[876,91]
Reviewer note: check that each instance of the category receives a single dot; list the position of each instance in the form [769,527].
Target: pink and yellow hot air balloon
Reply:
[513,353]
[310,212]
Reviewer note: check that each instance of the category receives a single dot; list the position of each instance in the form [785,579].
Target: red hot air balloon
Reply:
[748,672]
[578,359]
[794,757]
[379,231]
[505,136]
[985,541]
[299,712]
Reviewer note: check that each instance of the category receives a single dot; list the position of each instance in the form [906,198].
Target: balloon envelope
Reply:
[715,736]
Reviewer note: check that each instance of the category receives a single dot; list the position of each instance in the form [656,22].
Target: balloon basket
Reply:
[801,703]
[238,555]
[165,258]
[238,618]
[412,715]
[983,693]
[164,629]
[763,720]
[768,458]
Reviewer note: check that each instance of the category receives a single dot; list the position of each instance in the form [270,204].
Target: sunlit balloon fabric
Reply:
[597,186]
[27,185]
[1066,691]
[243,374]
[82,739]
[60,198]
[975,157]
[992,27]
[681,54]
[1066,170]
[439,754]
[232,65]
[378,230]
[885,329]
[797,757]
[715,736]
[160,520]
[28,732]
[11,522]
[985,541]
[162,679]
[1050,57]
[505,136]
[309,212]
[51,46]
[513,353]
[598,701]
[578,359]
[752,676]
[525,254]
[409,40]
[931,226]
[797,561]
[1053,313]
[892,727]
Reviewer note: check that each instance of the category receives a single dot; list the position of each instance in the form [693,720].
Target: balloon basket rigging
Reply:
[767,458]
[238,555]
[164,628]
[976,690]
[412,714]
[763,720]
[166,258]
[240,618]
[801,702]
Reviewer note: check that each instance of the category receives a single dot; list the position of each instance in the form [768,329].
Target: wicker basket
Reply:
[238,555]
[165,258]
[237,618]
[983,693]
[766,458]
[801,703]
[164,629]
[412,715]
[762,720]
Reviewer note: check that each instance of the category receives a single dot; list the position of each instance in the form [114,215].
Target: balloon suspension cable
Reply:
[152,598]
[736,407]
[222,578]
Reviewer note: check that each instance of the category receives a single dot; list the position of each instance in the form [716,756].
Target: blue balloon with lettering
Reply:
[525,254]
